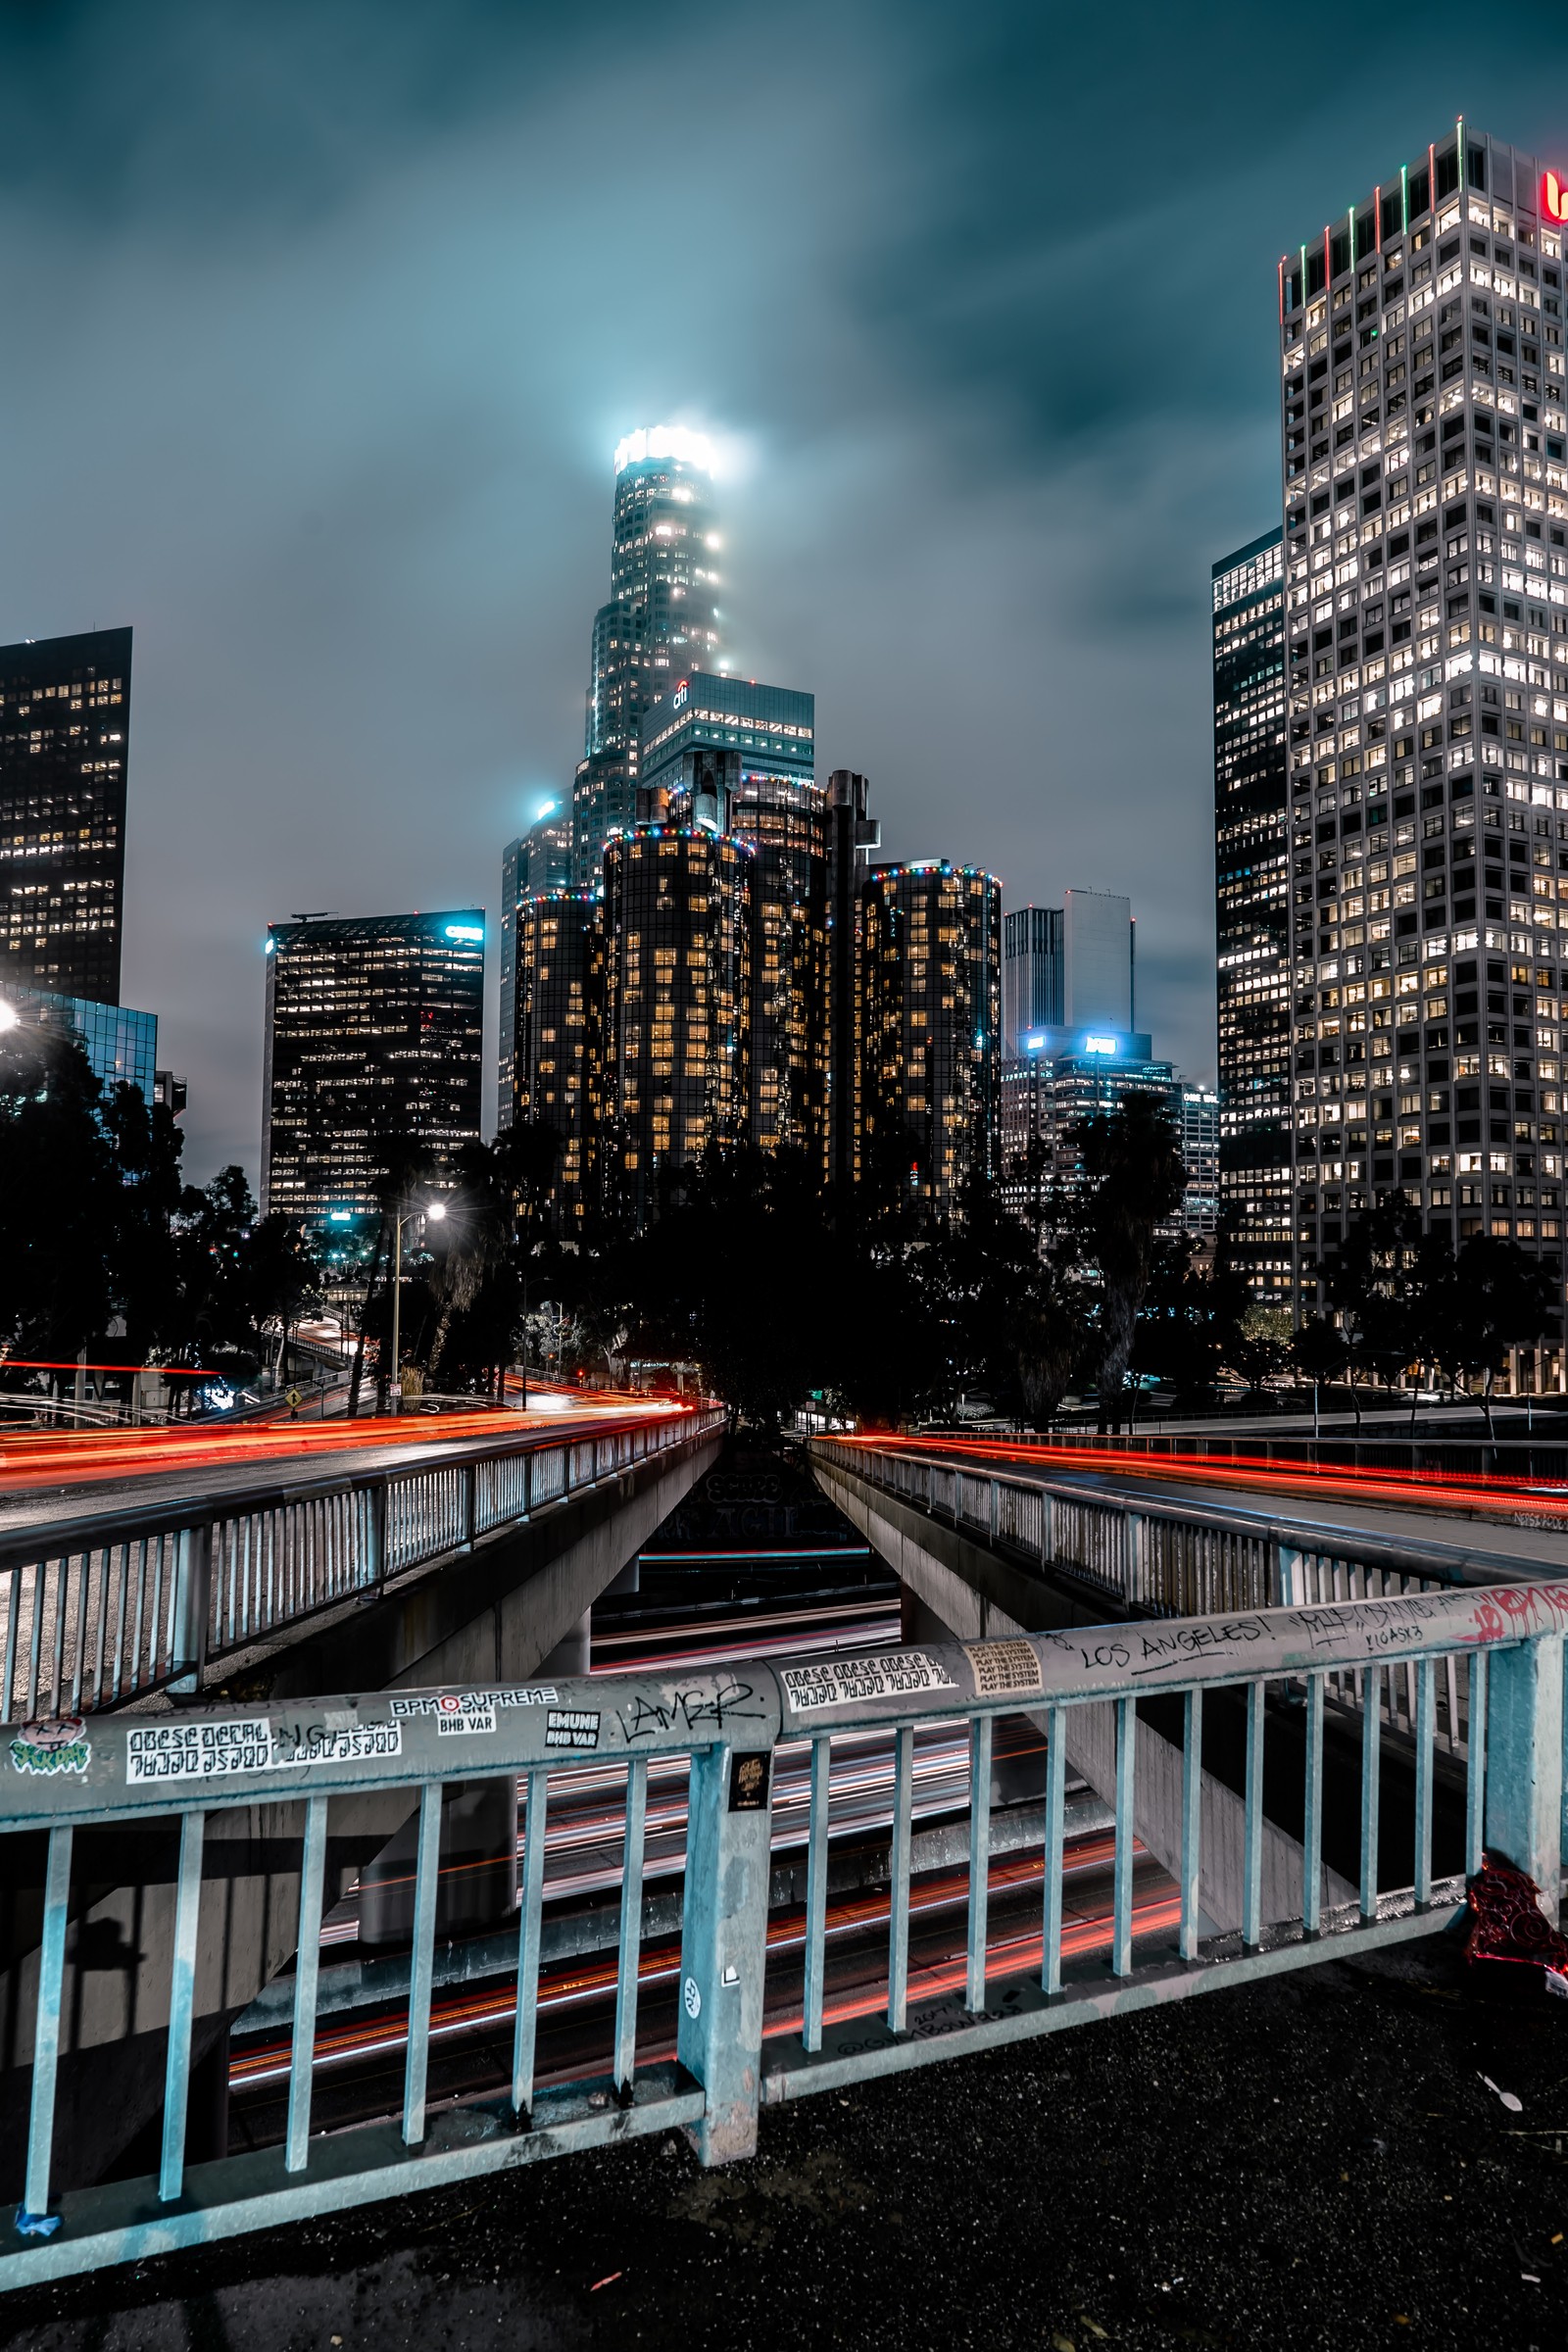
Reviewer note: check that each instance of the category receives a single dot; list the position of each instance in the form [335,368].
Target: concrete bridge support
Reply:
[493,1614]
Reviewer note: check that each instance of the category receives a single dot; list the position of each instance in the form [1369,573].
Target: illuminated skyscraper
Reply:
[757,743]
[852,835]
[1425,467]
[532,866]
[65,731]
[1063,1075]
[677,1009]
[931,1031]
[1251,881]
[660,621]
[374,1052]
[556,1054]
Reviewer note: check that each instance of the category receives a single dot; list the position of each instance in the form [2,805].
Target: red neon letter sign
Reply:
[1553,197]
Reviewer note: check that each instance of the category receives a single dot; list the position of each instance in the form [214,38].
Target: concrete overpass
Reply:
[993,1541]
[388,1565]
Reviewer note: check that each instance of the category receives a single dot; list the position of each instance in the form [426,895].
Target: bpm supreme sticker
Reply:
[53,1743]
[855,1682]
[571,1727]
[471,1705]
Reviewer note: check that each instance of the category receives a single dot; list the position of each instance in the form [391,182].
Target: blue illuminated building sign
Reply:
[1110,1044]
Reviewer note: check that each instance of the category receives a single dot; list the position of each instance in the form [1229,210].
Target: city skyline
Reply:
[346,491]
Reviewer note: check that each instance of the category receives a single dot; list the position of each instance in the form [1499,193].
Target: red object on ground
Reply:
[1508,1929]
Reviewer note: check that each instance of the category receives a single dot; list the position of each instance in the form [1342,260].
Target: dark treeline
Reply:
[104,1249]
[753,1270]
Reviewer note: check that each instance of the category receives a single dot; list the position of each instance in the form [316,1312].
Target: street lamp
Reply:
[435,1210]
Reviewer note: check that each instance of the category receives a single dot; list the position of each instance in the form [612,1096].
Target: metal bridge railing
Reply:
[99,1611]
[1169,1559]
[755,2011]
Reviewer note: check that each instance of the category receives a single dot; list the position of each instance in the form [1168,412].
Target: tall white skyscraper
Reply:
[1068,966]
[1426,547]
[1097,959]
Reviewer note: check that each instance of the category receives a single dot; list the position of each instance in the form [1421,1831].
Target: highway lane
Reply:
[1523,1519]
[359,2058]
[68,1475]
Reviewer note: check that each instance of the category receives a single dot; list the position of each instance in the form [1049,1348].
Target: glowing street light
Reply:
[434,1211]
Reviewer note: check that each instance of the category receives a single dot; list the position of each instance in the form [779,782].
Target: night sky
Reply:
[321,324]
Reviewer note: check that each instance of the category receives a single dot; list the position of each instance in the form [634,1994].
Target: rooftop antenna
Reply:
[315,914]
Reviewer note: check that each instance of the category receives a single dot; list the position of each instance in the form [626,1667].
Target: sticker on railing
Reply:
[203,1751]
[327,1743]
[748,1781]
[197,1752]
[571,1727]
[855,1682]
[1003,1669]
[447,1703]
[52,1744]
[457,1713]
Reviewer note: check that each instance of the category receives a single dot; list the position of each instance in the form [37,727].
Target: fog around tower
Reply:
[326,322]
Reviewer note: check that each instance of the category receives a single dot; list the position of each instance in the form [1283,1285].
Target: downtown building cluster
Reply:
[1390,673]
[710,951]
[733,960]
[703,945]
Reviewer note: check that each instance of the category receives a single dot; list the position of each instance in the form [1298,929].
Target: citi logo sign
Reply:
[1553,197]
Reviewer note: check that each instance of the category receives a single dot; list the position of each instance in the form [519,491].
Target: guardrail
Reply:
[759,2016]
[1544,1456]
[101,1609]
[1166,1558]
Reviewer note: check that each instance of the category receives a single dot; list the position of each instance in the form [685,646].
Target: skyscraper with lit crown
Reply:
[661,620]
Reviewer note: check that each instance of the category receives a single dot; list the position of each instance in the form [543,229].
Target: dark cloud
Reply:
[324,320]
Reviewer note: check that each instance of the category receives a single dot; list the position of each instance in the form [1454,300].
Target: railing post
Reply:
[1132,1557]
[1524,1797]
[374,1541]
[193,1596]
[468,1506]
[996,1497]
[723,1951]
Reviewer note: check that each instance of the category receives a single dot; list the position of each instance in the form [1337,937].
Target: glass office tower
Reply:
[1251,894]
[555,1054]
[1031,973]
[373,1056]
[931,983]
[535,865]
[1426,530]
[120,1045]
[677,1027]
[763,737]
[65,732]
